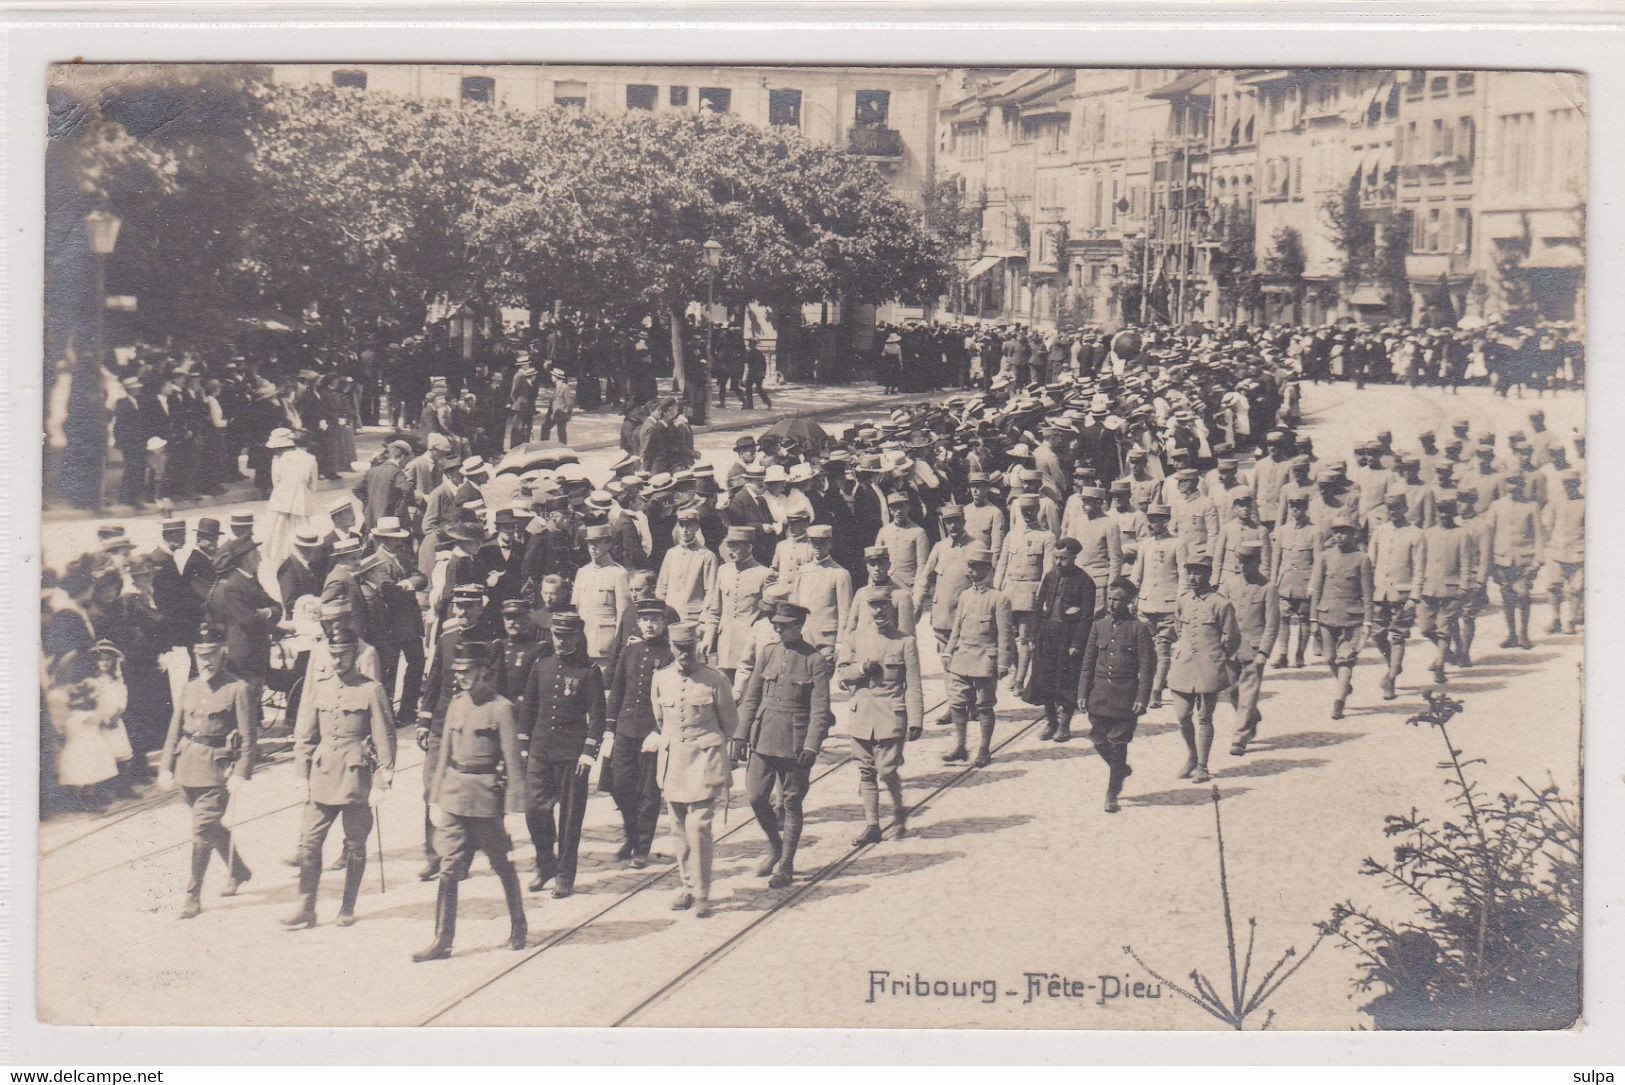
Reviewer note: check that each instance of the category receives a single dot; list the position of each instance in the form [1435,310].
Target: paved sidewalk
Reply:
[588,433]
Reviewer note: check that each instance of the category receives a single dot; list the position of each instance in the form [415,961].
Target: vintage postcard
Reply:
[847,546]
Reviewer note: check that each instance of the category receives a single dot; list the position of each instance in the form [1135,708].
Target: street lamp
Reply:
[702,395]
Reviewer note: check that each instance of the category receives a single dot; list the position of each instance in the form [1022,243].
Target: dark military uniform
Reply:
[1119,664]
[637,788]
[784,714]
[564,702]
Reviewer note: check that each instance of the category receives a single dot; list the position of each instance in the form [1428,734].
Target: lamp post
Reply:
[86,423]
[701,396]
[1145,270]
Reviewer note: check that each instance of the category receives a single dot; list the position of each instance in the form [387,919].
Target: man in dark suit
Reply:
[177,573]
[499,565]
[242,609]
[130,435]
[297,575]
[1114,684]
[748,508]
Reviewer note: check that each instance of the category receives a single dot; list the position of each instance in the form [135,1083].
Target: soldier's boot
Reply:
[894,787]
[1345,686]
[1114,779]
[238,873]
[542,835]
[547,868]
[1509,612]
[869,792]
[1577,612]
[958,752]
[310,876]
[785,872]
[1556,624]
[1279,663]
[1469,630]
[1050,724]
[1524,605]
[1204,747]
[1304,637]
[1187,731]
[984,750]
[1063,733]
[518,930]
[355,865]
[194,885]
[769,822]
[1396,665]
[445,921]
[1159,680]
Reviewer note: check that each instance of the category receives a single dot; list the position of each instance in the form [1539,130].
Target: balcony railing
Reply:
[876,142]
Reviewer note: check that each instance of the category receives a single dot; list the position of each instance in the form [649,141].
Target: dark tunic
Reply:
[1065,608]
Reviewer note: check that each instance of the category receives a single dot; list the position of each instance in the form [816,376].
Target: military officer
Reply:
[1114,683]
[984,521]
[905,542]
[783,720]
[735,601]
[763,633]
[1340,605]
[475,780]
[1100,539]
[888,710]
[212,728]
[601,593]
[795,549]
[565,702]
[1201,666]
[938,588]
[1258,618]
[1195,516]
[980,652]
[693,721]
[631,719]
[347,756]
[824,589]
[516,653]
[1241,527]
[467,607]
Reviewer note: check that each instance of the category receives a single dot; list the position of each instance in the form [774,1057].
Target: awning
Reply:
[1553,258]
[983,266]
[1049,103]
[1191,82]
[1366,296]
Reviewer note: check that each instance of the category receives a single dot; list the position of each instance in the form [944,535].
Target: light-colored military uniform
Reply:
[735,601]
[858,617]
[825,589]
[908,547]
[888,704]
[688,575]
[1201,667]
[1029,553]
[477,778]
[695,717]
[600,595]
[986,525]
[981,643]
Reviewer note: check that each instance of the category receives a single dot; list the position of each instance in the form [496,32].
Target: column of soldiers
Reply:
[1111,545]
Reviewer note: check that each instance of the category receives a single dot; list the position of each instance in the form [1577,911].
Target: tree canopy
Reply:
[372,206]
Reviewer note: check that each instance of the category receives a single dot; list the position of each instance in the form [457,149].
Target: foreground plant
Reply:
[1495,939]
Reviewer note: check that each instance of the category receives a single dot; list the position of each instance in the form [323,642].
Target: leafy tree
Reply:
[1286,263]
[948,214]
[1389,267]
[1350,227]
[1235,263]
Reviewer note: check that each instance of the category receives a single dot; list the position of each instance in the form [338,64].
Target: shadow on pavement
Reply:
[1049,752]
[990,775]
[1305,740]
[881,863]
[1193,795]
[952,827]
[1267,766]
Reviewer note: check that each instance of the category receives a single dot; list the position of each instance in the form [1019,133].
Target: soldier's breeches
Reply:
[1245,697]
[1195,714]
[761,776]
[318,818]
[878,760]
[968,696]
[457,838]
[694,841]
[637,792]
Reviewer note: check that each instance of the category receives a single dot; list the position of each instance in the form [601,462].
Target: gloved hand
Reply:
[739,749]
[423,738]
[608,745]
[166,781]
[805,758]
[380,788]
[584,763]
[651,742]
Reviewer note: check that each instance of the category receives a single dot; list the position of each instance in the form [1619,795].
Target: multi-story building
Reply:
[887,115]
[1531,197]
[1233,191]
[1436,153]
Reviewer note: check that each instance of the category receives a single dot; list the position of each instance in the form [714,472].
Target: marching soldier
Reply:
[345,750]
[1395,551]
[1444,580]
[877,563]
[888,710]
[905,542]
[1258,618]
[1156,576]
[783,720]
[212,729]
[601,594]
[688,573]
[984,521]
[439,688]
[1100,542]
[1114,682]
[942,580]
[1206,640]
[514,656]
[475,780]
[632,717]
[1029,553]
[1564,520]
[980,653]
[735,601]
[824,589]
[565,701]
[694,718]
[1515,546]
[1292,554]
[1341,605]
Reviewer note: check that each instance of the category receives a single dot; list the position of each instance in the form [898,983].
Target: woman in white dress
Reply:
[293,498]
[87,715]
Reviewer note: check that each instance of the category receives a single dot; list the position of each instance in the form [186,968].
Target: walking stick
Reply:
[378,826]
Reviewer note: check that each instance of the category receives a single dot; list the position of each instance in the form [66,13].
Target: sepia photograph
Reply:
[823,546]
